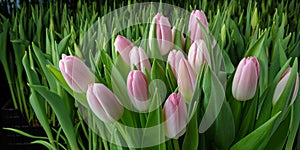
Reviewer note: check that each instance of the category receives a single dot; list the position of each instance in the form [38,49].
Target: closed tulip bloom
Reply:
[281,85]
[139,58]
[105,105]
[163,34]
[186,79]
[198,54]
[76,73]
[137,87]
[194,28]
[175,116]
[123,46]
[174,58]
[245,79]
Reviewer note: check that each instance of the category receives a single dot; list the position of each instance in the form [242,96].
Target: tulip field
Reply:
[151,75]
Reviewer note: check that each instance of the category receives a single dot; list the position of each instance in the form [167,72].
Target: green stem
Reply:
[175,144]
[9,80]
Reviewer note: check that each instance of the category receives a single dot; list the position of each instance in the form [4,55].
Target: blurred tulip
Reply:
[138,89]
[245,79]
[174,58]
[139,58]
[104,103]
[186,79]
[163,34]
[123,46]
[76,73]
[281,85]
[194,28]
[198,54]
[175,116]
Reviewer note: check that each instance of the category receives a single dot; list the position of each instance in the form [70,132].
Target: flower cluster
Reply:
[185,68]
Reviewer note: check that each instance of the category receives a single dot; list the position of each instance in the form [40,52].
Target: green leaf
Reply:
[62,114]
[256,49]
[44,143]
[25,134]
[258,138]
[191,133]
[228,64]
[63,44]
[224,127]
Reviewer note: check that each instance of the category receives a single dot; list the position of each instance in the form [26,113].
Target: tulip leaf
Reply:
[158,71]
[228,64]
[171,78]
[258,138]
[191,133]
[24,133]
[295,122]
[62,46]
[44,143]
[63,116]
[257,48]
[214,96]
[279,137]
[224,138]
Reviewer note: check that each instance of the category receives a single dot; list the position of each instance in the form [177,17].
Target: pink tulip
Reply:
[163,34]
[245,79]
[194,28]
[105,105]
[138,90]
[139,59]
[186,79]
[76,73]
[123,46]
[281,85]
[174,58]
[198,54]
[175,116]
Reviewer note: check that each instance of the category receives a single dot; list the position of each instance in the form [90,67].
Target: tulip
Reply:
[194,28]
[163,34]
[139,59]
[76,73]
[245,79]
[198,54]
[174,58]
[175,116]
[123,46]
[138,90]
[186,79]
[281,85]
[105,105]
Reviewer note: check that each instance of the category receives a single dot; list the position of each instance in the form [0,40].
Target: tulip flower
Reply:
[194,28]
[163,34]
[105,105]
[174,58]
[175,116]
[139,58]
[186,79]
[198,54]
[281,85]
[76,73]
[123,46]
[138,90]
[245,79]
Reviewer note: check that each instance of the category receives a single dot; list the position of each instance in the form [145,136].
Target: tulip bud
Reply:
[281,85]
[105,105]
[174,58]
[245,79]
[139,58]
[198,54]
[163,34]
[138,90]
[175,116]
[76,73]
[186,79]
[123,46]
[194,28]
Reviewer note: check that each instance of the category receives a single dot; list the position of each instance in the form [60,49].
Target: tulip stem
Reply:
[175,144]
